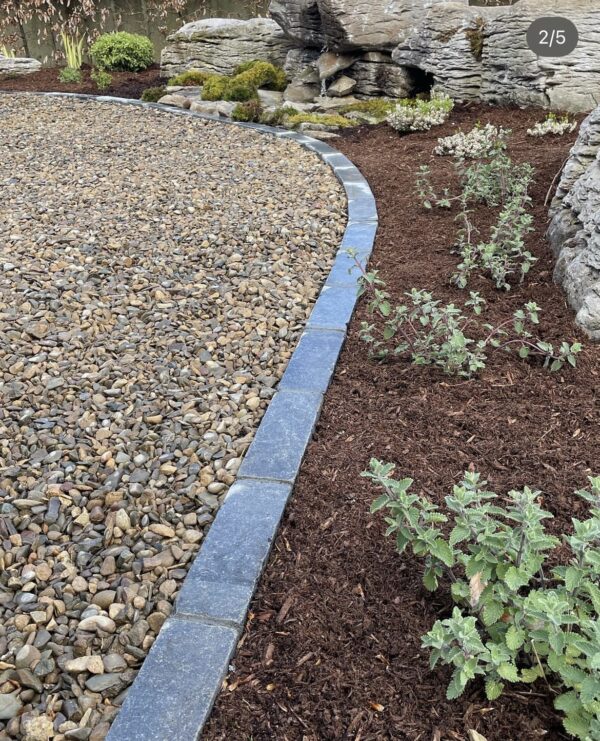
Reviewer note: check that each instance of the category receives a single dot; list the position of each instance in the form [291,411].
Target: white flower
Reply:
[553,125]
[481,141]
[421,115]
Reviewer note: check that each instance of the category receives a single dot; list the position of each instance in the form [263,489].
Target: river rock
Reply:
[9,706]
[574,232]
[18,65]
[220,44]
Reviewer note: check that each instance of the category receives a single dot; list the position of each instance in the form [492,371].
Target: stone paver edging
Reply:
[173,694]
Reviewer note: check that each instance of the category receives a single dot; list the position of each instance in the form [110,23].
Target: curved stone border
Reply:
[174,691]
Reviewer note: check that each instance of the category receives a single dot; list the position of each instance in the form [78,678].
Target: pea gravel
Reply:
[155,274]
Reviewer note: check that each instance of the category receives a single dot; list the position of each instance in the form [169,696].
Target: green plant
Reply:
[378,108]
[129,52]
[214,87]
[500,183]
[515,619]
[73,49]
[553,124]
[102,79]
[7,53]
[431,333]
[69,76]
[324,119]
[190,78]
[480,142]
[153,94]
[239,89]
[251,111]
[262,75]
[420,115]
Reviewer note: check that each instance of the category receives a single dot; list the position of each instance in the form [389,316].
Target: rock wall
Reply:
[574,231]
[220,44]
[482,53]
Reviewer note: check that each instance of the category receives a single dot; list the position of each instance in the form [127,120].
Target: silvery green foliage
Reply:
[500,183]
[553,124]
[481,141]
[516,619]
[421,115]
[449,337]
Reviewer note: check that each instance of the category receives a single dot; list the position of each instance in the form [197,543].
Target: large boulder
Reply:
[448,46]
[512,73]
[18,65]
[349,25]
[574,232]
[220,44]
[376,75]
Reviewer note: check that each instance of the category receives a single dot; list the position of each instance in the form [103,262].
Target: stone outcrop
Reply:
[349,25]
[482,53]
[219,45]
[376,74]
[574,231]
[18,65]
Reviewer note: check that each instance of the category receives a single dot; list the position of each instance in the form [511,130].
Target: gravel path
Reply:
[155,274]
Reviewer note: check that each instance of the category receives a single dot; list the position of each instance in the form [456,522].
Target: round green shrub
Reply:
[153,94]
[262,75]
[69,76]
[239,89]
[190,78]
[251,111]
[124,51]
[102,79]
[214,87]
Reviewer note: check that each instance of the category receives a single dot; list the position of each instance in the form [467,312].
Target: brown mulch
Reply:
[124,84]
[332,647]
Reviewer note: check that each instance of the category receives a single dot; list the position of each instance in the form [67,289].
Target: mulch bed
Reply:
[124,84]
[332,647]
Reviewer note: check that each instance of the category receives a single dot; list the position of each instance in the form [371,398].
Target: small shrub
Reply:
[102,79]
[123,51]
[214,87]
[553,124]
[262,75]
[325,119]
[250,112]
[420,115]
[190,78]
[239,89]
[444,336]
[516,619]
[480,142]
[153,94]
[69,76]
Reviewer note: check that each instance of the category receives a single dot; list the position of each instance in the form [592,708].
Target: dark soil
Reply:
[124,84]
[332,646]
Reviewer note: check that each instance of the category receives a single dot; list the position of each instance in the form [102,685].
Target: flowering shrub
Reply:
[421,115]
[515,619]
[553,124]
[481,141]
[433,334]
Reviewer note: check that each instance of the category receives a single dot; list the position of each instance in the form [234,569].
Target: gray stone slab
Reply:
[362,207]
[177,685]
[313,362]
[359,239]
[334,307]
[278,448]
[226,571]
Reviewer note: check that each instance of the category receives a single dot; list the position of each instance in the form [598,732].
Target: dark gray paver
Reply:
[313,361]
[334,308]
[278,447]
[176,687]
[225,573]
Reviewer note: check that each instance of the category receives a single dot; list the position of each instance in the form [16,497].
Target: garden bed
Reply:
[123,85]
[332,648]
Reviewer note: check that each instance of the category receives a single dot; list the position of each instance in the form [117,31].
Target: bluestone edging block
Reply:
[182,675]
